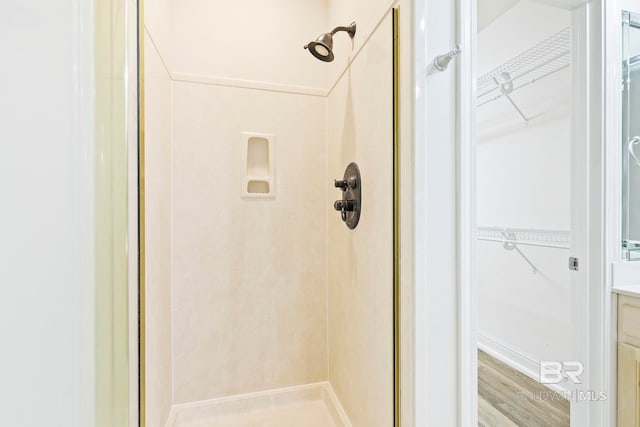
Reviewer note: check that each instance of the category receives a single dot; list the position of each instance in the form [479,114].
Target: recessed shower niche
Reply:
[258,157]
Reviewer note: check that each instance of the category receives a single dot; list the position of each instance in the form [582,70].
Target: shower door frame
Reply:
[591,293]
[403,119]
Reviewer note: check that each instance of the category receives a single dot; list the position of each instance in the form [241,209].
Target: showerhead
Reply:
[322,47]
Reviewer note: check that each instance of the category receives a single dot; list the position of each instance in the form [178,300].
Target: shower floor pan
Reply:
[313,405]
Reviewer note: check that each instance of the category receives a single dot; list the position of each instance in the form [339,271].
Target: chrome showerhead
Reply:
[322,47]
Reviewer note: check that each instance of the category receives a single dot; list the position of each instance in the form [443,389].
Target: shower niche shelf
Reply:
[258,157]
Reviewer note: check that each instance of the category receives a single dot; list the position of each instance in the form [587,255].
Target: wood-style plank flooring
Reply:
[509,398]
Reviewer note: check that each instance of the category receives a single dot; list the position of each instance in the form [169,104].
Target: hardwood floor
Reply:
[509,398]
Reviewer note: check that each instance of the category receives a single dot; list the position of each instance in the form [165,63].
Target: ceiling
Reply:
[490,10]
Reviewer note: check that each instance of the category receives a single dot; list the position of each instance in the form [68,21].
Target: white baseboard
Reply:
[272,398]
[516,359]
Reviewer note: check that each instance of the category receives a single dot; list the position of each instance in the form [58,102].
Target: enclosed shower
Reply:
[269,214]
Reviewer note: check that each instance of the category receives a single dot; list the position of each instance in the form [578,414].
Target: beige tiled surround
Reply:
[158,236]
[249,279]
[360,262]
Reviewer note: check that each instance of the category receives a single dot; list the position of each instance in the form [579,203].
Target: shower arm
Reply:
[351,30]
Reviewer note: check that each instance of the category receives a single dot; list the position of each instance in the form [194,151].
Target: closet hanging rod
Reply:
[524,243]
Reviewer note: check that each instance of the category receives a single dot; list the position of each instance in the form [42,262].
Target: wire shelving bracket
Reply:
[545,58]
[511,238]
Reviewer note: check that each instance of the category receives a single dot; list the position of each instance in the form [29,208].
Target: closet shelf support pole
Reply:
[510,245]
[535,270]
[506,88]
[526,120]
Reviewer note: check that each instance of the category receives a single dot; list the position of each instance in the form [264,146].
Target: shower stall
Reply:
[270,276]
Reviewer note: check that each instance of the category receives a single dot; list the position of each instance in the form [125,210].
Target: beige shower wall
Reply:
[249,287]
[158,236]
[367,14]
[360,118]
[254,40]
[249,282]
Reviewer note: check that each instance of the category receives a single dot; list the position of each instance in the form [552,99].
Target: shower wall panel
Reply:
[158,236]
[254,40]
[367,14]
[249,275]
[360,129]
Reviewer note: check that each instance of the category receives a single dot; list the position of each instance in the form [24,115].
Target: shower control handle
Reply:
[345,205]
[345,184]
[351,203]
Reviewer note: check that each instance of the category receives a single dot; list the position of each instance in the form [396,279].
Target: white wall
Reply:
[435,217]
[524,177]
[46,308]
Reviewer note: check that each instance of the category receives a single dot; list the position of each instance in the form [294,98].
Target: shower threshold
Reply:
[312,405]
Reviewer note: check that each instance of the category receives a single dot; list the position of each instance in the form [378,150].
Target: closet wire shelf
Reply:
[557,239]
[542,60]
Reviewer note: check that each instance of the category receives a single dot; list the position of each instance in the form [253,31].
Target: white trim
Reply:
[287,394]
[610,133]
[419,250]
[516,359]
[467,227]
[408,55]
[246,84]
[580,197]
[613,117]
[438,314]
[83,140]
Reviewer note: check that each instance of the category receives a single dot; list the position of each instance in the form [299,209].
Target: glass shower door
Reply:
[114,128]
